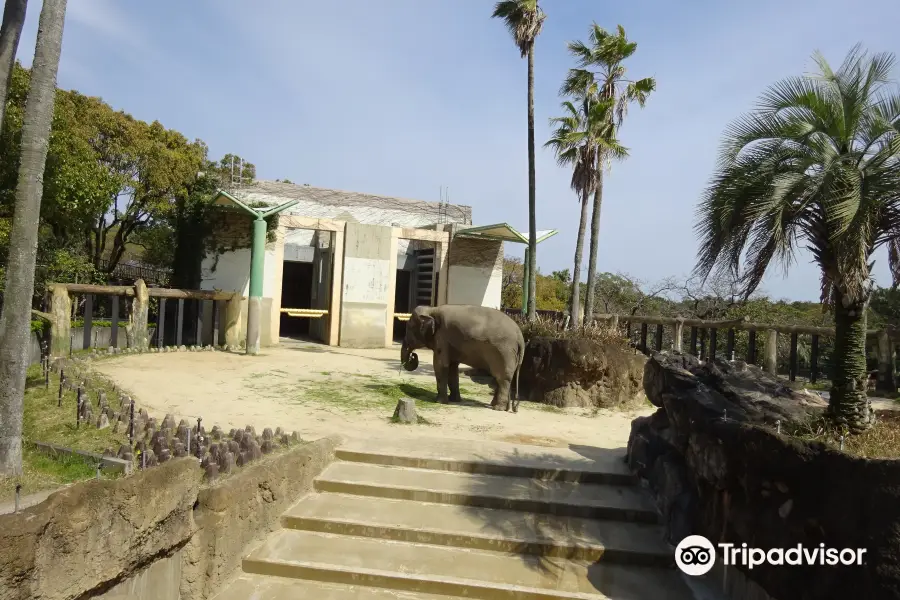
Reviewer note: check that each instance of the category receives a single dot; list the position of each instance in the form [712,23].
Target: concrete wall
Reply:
[475,273]
[230,272]
[159,534]
[366,293]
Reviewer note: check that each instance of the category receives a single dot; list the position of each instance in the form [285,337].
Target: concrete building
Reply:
[347,268]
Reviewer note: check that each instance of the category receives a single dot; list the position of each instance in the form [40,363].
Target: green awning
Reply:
[226,200]
[503,232]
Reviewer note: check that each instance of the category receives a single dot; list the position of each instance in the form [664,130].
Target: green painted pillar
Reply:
[525,283]
[257,268]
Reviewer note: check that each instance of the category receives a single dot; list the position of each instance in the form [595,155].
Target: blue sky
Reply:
[401,97]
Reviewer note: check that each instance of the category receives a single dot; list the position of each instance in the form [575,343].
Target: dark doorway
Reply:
[296,292]
[402,301]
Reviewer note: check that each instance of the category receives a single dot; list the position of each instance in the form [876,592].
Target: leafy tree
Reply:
[10,32]
[581,136]
[819,162]
[524,20]
[610,87]
[15,319]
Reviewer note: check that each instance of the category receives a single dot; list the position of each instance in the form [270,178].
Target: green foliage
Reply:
[552,291]
[819,163]
[524,20]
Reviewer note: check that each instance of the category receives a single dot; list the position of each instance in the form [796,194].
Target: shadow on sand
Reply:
[543,539]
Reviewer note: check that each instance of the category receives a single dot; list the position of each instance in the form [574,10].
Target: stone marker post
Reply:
[60,324]
[771,360]
[677,335]
[140,313]
[233,316]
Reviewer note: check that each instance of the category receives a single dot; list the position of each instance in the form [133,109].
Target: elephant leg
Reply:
[441,374]
[501,395]
[453,382]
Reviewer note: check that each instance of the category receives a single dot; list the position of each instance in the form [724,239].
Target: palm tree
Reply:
[816,164]
[606,52]
[581,135]
[524,19]
[15,319]
[10,32]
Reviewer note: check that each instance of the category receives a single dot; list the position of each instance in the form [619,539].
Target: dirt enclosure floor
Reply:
[317,390]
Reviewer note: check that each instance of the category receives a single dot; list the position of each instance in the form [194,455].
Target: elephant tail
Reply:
[519,360]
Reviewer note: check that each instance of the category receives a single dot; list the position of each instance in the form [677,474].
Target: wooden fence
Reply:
[705,340]
[134,303]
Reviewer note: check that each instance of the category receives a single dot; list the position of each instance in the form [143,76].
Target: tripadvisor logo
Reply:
[695,555]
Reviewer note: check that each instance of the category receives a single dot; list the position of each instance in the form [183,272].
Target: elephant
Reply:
[481,337]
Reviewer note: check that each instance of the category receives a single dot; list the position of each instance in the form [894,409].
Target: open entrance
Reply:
[306,284]
[416,281]
[296,292]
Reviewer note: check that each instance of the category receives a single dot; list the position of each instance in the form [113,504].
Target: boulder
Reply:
[581,372]
[406,411]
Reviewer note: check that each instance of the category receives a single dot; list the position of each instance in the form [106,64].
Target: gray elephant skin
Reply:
[483,338]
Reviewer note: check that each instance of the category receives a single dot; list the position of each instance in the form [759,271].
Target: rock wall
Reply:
[580,372]
[718,467]
[117,538]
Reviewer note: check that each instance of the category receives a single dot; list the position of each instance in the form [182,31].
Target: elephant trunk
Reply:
[408,358]
[404,352]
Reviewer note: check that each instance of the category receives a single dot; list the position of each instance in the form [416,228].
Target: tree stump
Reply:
[406,411]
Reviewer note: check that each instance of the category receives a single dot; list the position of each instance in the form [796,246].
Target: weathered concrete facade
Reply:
[344,265]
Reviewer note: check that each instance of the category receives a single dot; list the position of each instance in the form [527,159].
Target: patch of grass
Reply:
[882,440]
[548,408]
[326,373]
[42,472]
[44,421]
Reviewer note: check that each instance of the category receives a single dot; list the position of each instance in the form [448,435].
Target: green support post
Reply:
[257,267]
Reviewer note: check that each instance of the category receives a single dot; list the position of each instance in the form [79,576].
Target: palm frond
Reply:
[524,20]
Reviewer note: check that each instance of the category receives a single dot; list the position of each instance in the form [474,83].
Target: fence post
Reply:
[679,332]
[771,360]
[886,381]
[61,323]
[140,312]
[233,314]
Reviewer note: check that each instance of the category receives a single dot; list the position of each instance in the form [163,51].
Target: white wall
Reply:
[229,272]
[478,286]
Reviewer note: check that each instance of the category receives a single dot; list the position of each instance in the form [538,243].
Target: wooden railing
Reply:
[134,302]
[709,345]
[884,338]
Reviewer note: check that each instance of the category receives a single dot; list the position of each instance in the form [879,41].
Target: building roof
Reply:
[503,232]
[369,209]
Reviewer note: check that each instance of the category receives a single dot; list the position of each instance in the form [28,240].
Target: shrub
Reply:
[553,328]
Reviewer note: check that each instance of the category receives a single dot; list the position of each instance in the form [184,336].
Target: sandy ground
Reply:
[317,391]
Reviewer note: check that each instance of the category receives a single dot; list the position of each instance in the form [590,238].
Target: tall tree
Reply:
[818,164]
[584,132]
[15,319]
[524,19]
[10,32]
[601,74]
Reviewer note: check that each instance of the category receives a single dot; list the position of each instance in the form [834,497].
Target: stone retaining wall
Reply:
[159,534]
[718,467]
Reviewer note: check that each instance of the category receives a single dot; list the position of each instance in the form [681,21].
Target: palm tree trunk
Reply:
[575,300]
[532,215]
[10,32]
[849,405]
[595,236]
[16,316]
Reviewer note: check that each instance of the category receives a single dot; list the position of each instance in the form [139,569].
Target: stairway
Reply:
[432,519]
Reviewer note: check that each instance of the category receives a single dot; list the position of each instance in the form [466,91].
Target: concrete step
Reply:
[593,501]
[577,463]
[481,529]
[450,571]
[263,587]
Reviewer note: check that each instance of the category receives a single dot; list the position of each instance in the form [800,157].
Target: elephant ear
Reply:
[429,327]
